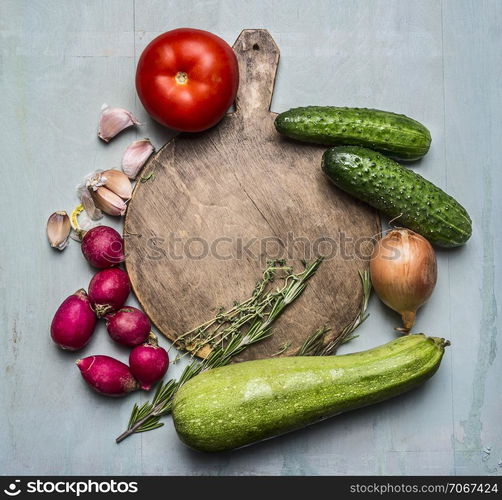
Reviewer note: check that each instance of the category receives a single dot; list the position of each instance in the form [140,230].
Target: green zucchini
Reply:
[395,135]
[247,402]
[399,193]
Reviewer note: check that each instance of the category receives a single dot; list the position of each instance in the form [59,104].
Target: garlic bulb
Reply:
[58,230]
[105,191]
[135,157]
[403,273]
[113,120]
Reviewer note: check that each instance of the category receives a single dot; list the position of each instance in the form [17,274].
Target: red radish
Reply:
[74,322]
[103,247]
[108,290]
[148,363]
[128,326]
[107,375]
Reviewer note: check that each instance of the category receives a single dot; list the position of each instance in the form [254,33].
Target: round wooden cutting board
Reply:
[214,207]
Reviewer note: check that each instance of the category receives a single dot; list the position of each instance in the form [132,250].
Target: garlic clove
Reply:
[58,229]
[118,182]
[108,201]
[90,208]
[135,157]
[113,120]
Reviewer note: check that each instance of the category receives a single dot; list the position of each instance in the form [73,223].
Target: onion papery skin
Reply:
[403,273]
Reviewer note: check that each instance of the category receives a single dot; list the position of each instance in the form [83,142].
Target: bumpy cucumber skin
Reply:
[399,193]
[241,404]
[395,135]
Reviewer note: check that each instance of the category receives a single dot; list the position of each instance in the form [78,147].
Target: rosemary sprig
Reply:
[283,348]
[269,306]
[316,345]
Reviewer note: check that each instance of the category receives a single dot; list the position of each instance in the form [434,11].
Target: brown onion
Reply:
[403,273]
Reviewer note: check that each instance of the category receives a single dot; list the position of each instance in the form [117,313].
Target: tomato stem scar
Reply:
[181,78]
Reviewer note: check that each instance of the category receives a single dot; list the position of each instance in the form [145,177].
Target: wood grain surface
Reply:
[218,205]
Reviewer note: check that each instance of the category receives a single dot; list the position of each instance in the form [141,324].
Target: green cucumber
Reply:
[395,135]
[247,402]
[399,193]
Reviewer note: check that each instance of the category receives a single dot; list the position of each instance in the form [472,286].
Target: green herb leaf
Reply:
[316,344]
[148,177]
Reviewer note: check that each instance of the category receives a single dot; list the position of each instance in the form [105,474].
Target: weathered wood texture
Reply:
[220,204]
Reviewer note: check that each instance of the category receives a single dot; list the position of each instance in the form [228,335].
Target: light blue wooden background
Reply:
[437,61]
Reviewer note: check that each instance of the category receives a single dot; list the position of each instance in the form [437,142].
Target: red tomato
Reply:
[187,79]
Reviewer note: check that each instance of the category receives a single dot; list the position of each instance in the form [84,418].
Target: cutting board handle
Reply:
[258,57]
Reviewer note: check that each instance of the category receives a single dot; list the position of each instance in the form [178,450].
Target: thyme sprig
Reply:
[249,323]
[316,344]
[219,328]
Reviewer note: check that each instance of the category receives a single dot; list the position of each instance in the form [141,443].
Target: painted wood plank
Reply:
[473,105]
[58,65]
